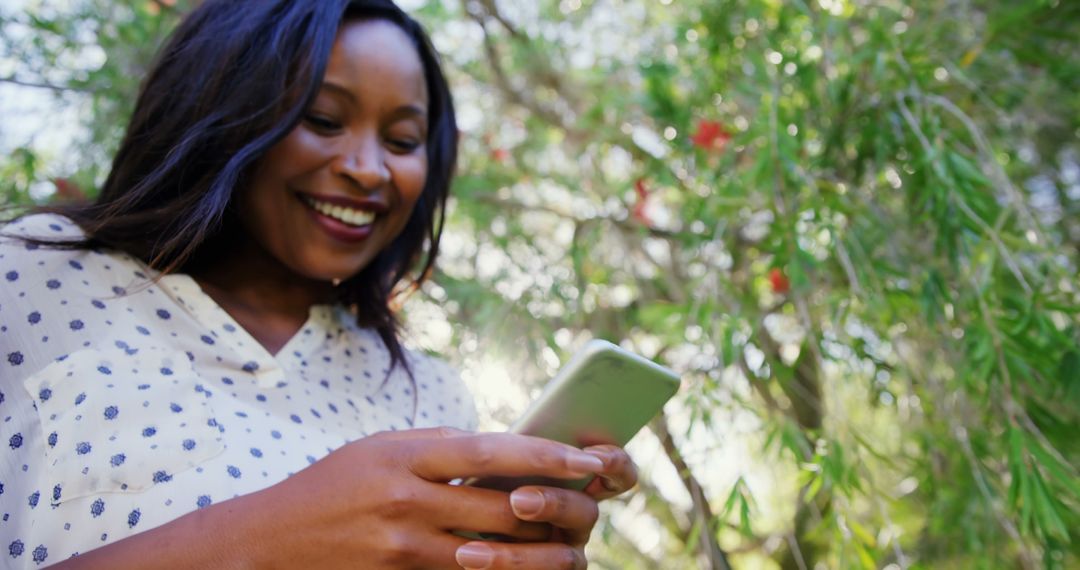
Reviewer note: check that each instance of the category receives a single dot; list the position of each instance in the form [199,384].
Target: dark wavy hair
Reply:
[233,79]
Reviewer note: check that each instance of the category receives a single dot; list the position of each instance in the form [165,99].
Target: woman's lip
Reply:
[337,229]
[366,205]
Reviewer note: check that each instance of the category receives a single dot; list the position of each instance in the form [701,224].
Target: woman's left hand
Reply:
[572,514]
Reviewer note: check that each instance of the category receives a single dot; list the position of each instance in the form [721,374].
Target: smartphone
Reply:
[604,394]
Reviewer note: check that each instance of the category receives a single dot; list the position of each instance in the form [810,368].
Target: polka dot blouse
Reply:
[125,404]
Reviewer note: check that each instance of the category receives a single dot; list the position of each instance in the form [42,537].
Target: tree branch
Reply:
[703,515]
[520,97]
[43,85]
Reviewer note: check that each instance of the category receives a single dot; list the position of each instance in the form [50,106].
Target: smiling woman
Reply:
[208,352]
[337,190]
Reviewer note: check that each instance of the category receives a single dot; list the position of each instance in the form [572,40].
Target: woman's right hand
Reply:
[384,502]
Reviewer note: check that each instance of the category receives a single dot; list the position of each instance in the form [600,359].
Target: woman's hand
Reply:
[384,502]
[572,514]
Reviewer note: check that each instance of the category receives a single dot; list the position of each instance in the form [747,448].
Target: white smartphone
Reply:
[604,394]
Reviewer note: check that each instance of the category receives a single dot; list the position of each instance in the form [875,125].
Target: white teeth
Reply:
[341,213]
[355,218]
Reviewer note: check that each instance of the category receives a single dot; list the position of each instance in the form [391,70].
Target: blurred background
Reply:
[853,227]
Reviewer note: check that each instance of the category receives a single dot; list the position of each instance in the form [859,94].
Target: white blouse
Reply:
[125,404]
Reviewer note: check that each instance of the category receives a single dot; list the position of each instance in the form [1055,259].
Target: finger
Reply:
[573,512]
[618,475]
[501,454]
[484,511]
[537,556]
[432,552]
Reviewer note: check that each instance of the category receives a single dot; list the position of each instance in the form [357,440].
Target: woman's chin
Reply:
[325,264]
[331,273]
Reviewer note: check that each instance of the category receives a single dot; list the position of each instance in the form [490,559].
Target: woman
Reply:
[201,368]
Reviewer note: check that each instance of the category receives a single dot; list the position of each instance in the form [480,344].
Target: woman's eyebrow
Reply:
[411,110]
[339,89]
[406,110]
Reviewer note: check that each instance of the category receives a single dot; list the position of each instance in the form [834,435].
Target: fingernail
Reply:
[600,454]
[610,485]
[526,503]
[474,556]
[584,462]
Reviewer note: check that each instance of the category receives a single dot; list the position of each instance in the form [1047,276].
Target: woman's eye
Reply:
[404,145]
[322,123]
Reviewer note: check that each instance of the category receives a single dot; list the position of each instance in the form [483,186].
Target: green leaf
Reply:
[1063,474]
[1017,465]
[692,538]
[1069,373]
[861,533]
[815,486]
[1049,519]
[965,169]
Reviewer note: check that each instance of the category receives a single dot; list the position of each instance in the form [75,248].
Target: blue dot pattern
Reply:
[125,404]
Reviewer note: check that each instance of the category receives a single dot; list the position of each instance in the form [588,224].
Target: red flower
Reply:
[779,281]
[710,136]
[640,189]
[500,155]
[67,190]
[639,212]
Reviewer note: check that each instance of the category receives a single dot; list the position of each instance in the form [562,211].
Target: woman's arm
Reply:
[225,535]
[380,502]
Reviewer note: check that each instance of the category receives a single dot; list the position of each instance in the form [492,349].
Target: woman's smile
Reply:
[344,219]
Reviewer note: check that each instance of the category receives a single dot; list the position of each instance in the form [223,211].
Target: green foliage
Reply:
[90,55]
[853,226]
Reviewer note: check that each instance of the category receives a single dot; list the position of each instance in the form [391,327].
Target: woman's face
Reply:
[327,198]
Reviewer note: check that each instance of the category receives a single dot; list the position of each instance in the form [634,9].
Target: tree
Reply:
[853,228]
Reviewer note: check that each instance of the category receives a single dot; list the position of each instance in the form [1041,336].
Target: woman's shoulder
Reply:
[43,227]
[24,247]
[433,365]
[30,267]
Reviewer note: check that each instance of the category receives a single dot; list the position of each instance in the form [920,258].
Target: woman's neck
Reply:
[246,280]
[259,292]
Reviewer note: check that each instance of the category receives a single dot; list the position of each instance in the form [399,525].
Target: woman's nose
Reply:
[364,162]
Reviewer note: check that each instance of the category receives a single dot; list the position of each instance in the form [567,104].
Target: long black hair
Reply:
[233,79]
